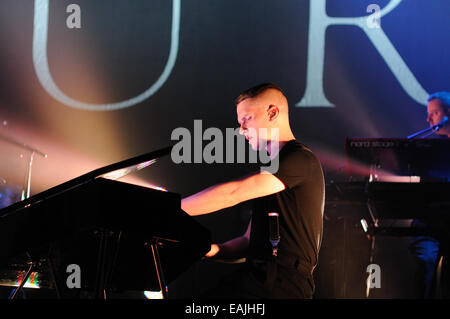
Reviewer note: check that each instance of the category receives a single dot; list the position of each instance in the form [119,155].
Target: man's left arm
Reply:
[232,193]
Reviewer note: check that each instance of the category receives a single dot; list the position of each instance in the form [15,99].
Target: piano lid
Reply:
[113,171]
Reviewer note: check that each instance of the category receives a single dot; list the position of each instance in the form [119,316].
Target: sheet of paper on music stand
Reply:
[115,175]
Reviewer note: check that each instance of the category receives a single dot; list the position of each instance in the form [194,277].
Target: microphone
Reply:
[274,232]
[431,129]
[438,126]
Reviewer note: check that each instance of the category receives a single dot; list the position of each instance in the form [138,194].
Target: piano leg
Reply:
[371,259]
[24,280]
[52,272]
[159,272]
[102,262]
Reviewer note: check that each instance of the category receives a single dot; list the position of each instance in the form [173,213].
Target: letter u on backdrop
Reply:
[40,61]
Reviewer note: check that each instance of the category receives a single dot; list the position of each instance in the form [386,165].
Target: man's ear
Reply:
[273,112]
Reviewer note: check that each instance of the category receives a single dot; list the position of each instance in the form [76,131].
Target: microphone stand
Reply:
[30,162]
[433,129]
[33,261]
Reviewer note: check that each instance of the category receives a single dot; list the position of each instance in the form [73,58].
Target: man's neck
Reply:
[274,148]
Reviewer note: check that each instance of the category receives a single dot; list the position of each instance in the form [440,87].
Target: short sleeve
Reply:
[294,166]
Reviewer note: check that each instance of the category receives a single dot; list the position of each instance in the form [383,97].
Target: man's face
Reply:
[252,117]
[435,112]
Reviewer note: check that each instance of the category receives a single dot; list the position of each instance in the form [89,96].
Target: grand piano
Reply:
[120,236]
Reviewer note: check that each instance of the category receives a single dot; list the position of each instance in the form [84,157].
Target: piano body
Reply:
[122,236]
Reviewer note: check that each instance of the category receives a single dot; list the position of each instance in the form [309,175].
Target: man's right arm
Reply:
[231,193]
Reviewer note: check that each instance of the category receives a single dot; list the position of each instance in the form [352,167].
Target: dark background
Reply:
[224,47]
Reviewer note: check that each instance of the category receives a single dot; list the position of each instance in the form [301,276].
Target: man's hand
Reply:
[213,251]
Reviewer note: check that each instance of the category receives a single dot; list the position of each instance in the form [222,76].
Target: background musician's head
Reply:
[263,107]
[438,108]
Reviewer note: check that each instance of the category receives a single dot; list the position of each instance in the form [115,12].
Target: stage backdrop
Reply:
[89,83]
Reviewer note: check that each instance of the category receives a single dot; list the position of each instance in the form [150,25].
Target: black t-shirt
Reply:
[300,207]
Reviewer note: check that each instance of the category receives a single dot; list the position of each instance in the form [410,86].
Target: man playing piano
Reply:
[295,191]
[427,250]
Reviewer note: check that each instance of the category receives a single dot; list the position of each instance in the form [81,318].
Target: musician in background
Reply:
[295,191]
[426,250]
[438,109]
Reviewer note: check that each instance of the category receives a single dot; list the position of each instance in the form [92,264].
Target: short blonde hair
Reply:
[255,91]
[444,97]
